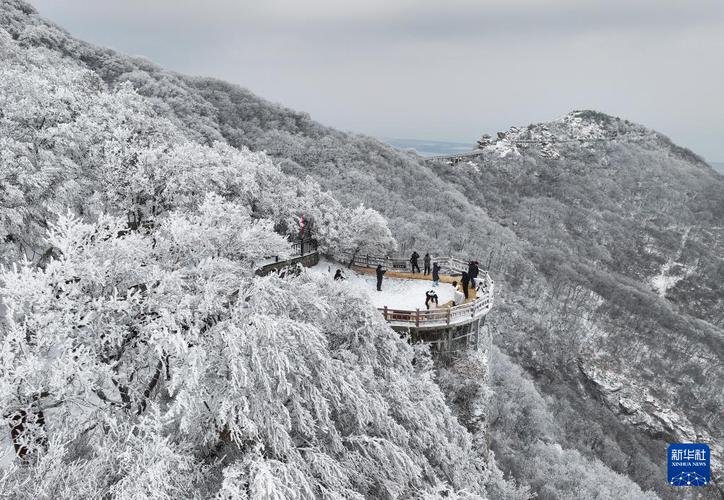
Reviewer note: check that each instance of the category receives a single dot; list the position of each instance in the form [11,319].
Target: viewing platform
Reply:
[446,327]
[401,311]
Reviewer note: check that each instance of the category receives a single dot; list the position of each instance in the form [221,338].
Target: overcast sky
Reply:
[445,69]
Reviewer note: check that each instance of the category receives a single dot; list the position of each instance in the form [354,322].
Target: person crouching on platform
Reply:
[431,298]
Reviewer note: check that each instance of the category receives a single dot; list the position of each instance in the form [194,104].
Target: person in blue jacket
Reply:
[435,274]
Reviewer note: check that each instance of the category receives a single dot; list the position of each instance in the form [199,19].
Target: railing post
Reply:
[448,315]
[386,313]
[417,317]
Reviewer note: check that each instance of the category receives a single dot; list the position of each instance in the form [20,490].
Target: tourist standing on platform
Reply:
[458,297]
[465,278]
[426,264]
[431,298]
[435,274]
[473,271]
[380,273]
[413,262]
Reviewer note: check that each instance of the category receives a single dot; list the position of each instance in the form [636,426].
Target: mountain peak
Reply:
[579,128]
[593,116]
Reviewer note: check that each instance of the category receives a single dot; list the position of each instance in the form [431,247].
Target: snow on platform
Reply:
[397,293]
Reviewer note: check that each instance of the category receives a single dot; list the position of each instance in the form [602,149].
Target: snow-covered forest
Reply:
[140,353]
[142,357]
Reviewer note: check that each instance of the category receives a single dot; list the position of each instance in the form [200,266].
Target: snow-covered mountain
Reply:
[626,228]
[605,240]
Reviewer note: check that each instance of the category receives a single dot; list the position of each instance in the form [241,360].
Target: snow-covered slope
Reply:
[574,232]
[142,357]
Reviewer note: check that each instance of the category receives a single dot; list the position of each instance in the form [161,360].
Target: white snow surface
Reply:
[405,294]
[673,271]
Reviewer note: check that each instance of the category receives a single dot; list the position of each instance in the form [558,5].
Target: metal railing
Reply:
[455,156]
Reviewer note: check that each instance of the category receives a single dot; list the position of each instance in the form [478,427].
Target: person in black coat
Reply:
[465,279]
[380,273]
[431,298]
[473,271]
[413,262]
[338,275]
[435,274]
[426,263]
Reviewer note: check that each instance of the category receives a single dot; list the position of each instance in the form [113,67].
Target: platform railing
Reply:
[304,247]
[304,252]
[448,265]
[444,316]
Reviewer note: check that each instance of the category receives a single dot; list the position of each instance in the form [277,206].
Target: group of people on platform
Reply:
[425,260]
[468,280]
[432,300]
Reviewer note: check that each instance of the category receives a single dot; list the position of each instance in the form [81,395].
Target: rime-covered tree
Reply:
[140,355]
[149,353]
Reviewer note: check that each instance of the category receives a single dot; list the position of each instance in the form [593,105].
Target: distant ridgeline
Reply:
[577,127]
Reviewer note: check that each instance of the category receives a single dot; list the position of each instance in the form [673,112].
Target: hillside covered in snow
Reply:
[604,238]
[140,354]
